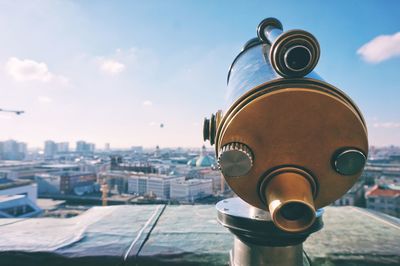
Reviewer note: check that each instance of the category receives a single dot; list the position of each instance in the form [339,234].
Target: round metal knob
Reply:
[349,162]
[235,159]
[210,128]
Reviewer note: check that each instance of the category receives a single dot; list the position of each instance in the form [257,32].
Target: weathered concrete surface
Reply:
[183,235]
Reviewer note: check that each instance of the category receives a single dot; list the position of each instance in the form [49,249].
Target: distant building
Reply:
[137,149]
[150,184]
[117,181]
[18,198]
[384,199]
[78,183]
[22,149]
[20,169]
[50,149]
[382,173]
[203,160]
[353,197]
[191,189]
[12,150]
[48,184]
[107,147]
[60,167]
[117,164]
[62,147]
[84,147]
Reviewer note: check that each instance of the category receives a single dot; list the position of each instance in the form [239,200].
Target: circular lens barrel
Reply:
[294,54]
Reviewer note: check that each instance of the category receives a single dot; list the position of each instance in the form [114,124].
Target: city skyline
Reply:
[108,73]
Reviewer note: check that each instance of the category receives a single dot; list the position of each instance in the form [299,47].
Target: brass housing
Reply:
[289,192]
[300,123]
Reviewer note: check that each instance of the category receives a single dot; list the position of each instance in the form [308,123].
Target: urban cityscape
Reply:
[199,133]
[58,181]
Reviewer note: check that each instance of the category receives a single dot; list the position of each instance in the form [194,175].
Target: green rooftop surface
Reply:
[183,235]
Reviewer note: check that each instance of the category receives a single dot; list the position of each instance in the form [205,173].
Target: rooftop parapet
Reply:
[184,235]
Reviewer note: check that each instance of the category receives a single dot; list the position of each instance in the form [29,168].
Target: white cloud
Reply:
[111,67]
[29,70]
[152,124]
[26,69]
[44,99]
[381,48]
[387,125]
[147,103]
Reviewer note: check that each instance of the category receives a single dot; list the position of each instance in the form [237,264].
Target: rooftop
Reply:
[382,192]
[184,235]
[8,183]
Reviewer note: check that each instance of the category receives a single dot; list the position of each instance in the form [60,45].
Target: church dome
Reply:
[192,162]
[205,161]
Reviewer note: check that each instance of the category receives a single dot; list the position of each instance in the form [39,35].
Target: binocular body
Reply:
[286,141]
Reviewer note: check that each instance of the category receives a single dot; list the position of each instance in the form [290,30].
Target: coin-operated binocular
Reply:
[287,143]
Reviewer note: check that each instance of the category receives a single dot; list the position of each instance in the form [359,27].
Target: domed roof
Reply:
[205,161]
[192,162]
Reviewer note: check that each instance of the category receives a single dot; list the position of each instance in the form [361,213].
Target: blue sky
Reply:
[112,71]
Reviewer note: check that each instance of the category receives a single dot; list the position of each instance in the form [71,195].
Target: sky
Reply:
[113,71]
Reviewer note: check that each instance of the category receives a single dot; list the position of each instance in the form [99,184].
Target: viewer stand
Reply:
[257,240]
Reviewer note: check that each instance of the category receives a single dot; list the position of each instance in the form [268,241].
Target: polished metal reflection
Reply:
[270,31]
[250,69]
[250,254]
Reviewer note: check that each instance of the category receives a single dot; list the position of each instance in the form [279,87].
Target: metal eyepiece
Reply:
[288,192]
[294,216]
[293,53]
[297,58]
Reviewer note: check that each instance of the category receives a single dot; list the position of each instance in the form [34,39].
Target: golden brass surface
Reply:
[218,118]
[289,196]
[299,123]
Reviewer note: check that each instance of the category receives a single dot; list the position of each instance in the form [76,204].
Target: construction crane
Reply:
[17,112]
[104,194]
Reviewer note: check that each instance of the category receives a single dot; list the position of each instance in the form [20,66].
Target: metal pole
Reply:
[258,241]
[245,253]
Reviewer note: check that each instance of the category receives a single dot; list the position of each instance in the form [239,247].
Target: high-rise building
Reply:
[13,150]
[62,147]
[91,147]
[84,147]
[107,147]
[22,148]
[50,149]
